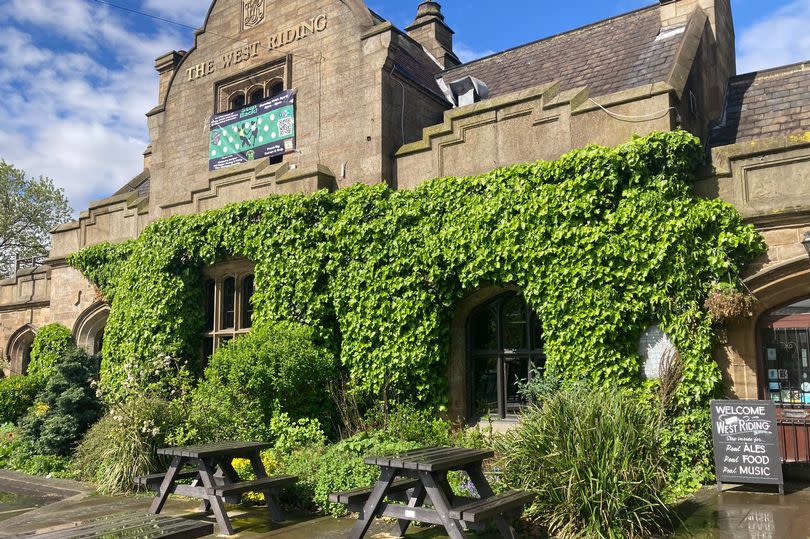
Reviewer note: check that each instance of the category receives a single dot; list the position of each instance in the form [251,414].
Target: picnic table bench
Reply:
[214,480]
[132,526]
[418,479]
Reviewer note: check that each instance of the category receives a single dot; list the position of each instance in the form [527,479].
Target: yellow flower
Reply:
[40,409]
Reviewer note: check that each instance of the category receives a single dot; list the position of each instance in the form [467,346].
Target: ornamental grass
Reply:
[595,460]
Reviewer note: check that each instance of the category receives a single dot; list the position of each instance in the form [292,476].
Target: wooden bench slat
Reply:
[489,508]
[352,496]
[147,480]
[256,485]
[134,526]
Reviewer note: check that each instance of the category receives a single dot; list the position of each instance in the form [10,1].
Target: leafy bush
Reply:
[65,409]
[425,427]
[272,370]
[595,460]
[51,344]
[122,445]
[335,468]
[17,395]
[9,441]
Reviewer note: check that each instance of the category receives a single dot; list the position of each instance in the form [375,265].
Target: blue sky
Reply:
[78,76]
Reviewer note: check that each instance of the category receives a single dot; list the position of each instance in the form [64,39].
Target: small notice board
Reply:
[746,443]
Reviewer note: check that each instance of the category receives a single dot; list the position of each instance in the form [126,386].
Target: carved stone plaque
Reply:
[252,13]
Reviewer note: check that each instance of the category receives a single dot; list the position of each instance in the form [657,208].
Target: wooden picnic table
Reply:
[419,478]
[215,480]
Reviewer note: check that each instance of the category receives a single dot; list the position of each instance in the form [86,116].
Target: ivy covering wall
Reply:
[602,242]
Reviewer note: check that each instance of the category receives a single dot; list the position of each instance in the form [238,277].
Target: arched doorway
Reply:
[88,331]
[504,342]
[19,349]
[784,374]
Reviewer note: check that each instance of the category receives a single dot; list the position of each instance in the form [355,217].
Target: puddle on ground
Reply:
[13,504]
[745,515]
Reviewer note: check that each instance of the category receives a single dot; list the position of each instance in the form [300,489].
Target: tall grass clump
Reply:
[595,460]
[123,444]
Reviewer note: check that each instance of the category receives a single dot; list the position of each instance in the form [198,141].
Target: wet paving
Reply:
[16,503]
[737,513]
[747,513]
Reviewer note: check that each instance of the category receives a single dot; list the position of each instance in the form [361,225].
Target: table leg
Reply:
[481,484]
[373,503]
[441,504]
[166,486]
[273,504]
[226,475]
[417,498]
[207,476]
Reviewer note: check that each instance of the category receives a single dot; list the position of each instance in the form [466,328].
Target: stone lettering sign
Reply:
[746,442]
[235,56]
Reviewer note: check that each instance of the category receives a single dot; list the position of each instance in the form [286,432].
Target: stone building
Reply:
[377,103]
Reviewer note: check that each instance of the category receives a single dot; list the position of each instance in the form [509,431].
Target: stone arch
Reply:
[457,372]
[18,350]
[88,331]
[739,354]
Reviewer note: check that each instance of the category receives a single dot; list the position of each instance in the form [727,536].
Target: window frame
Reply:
[265,76]
[219,274]
[505,357]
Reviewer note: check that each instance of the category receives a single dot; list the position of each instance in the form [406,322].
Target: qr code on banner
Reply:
[285,127]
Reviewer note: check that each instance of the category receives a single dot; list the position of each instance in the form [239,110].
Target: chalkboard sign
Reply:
[746,444]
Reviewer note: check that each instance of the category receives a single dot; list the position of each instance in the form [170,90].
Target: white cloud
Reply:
[780,38]
[78,78]
[468,54]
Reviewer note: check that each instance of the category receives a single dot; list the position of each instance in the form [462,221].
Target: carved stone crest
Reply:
[252,13]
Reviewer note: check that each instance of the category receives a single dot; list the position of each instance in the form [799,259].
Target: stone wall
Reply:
[336,73]
[539,123]
[768,181]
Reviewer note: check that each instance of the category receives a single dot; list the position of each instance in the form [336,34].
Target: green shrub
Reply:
[51,344]
[338,467]
[121,446]
[65,409]
[424,427]
[595,460]
[17,395]
[25,458]
[9,440]
[272,370]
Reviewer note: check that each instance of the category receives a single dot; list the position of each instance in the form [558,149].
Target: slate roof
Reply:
[139,183]
[609,56]
[419,68]
[765,104]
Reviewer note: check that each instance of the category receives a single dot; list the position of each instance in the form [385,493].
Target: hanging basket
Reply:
[727,304]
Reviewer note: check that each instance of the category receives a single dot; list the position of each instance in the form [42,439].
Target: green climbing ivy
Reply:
[602,242]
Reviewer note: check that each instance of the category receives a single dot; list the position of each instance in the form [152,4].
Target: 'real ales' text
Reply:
[236,56]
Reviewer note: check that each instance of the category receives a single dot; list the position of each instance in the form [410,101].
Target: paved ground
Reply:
[69,502]
[737,513]
[748,513]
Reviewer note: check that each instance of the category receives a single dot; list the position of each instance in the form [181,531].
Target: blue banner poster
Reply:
[257,131]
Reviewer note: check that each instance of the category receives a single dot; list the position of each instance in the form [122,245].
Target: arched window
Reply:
[228,309]
[237,101]
[228,316]
[19,349]
[276,87]
[88,331]
[505,343]
[247,303]
[256,96]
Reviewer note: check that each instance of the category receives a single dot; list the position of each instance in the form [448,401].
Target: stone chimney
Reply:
[677,12]
[165,66]
[430,31]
